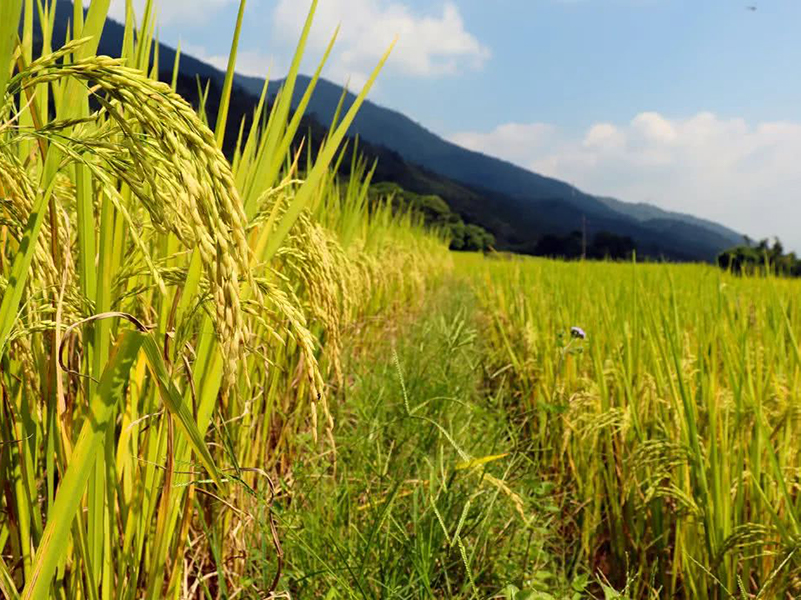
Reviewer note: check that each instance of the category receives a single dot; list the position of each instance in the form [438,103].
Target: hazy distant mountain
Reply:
[516,205]
[647,212]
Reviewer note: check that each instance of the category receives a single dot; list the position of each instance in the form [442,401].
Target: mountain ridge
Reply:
[514,180]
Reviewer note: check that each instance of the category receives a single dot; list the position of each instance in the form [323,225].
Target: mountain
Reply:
[531,203]
[516,205]
[646,212]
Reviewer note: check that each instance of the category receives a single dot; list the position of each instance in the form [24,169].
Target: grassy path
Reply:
[428,497]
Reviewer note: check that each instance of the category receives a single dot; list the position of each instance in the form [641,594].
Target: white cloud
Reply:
[431,44]
[742,174]
[604,135]
[515,142]
[195,11]
[248,62]
[654,127]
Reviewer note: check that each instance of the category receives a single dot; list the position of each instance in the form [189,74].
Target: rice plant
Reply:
[170,322]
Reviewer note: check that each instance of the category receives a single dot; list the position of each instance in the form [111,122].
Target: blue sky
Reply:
[693,105]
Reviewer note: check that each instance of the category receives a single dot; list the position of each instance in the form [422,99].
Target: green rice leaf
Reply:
[174,403]
[10,11]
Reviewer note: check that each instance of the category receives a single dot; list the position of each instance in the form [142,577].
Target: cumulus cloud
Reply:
[742,174]
[604,135]
[248,62]
[195,11]
[431,44]
[516,142]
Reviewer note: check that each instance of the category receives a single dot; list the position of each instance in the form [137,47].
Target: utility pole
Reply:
[583,237]
[583,227]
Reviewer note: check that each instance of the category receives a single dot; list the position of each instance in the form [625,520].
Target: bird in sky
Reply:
[751,8]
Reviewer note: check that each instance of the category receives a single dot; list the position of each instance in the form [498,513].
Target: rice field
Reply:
[242,379]
[670,418]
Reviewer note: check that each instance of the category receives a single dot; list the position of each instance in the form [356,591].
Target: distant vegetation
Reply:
[436,213]
[603,246]
[762,257]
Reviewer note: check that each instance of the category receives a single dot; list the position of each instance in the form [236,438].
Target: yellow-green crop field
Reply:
[673,423]
[236,377]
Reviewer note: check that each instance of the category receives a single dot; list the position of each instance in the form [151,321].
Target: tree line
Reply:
[760,257]
[603,245]
[437,214]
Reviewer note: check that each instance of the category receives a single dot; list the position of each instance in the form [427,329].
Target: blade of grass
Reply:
[10,11]
[228,84]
